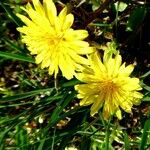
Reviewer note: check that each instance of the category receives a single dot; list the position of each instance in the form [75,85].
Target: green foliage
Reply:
[20,57]
[36,114]
[126,141]
[10,14]
[120,6]
[136,18]
[145,135]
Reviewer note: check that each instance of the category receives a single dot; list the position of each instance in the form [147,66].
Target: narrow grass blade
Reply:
[11,14]
[71,83]
[17,57]
[23,95]
[126,141]
[146,99]
[100,24]
[3,134]
[41,145]
[145,75]
[61,105]
[145,134]
[15,105]
[12,45]
[21,138]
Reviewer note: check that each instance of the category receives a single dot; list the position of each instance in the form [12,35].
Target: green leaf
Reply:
[126,141]
[15,105]
[95,4]
[17,57]
[11,119]
[23,95]
[11,14]
[21,138]
[146,98]
[136,18]
[3,134]
[71,83]
[120,6]
[41,145]
[146,87]
[60,106]
[145,134]
[13,46]
[145,75]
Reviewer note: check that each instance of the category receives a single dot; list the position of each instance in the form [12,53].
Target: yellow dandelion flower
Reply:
[50,37]
[107,85]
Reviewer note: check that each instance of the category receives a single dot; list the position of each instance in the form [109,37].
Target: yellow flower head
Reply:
[107,84]
[50,37]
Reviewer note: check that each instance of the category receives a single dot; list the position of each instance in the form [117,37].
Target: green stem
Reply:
[53,139]
[56,84]
[102,119]
[107,135]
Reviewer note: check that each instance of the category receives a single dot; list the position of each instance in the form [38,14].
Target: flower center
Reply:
[109,86]
[55,41]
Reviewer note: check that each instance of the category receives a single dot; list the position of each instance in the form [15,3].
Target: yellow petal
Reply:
[88,89]
[38,19]
[80,96]
[39,59]
[87,50]
[38,7]
[118,114]
[126,71]
[54,65]
[117,64]
[109,105]
[78,44]
[97,105]
[110,64]
[62,16]
[87,100]
[131,84]
[96,63]
[67,69]
[57,25]
[27,21]
[68,22]
[50,10]
[137,95]
[46,61]
[77,58]
[73,35]
[126,106]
